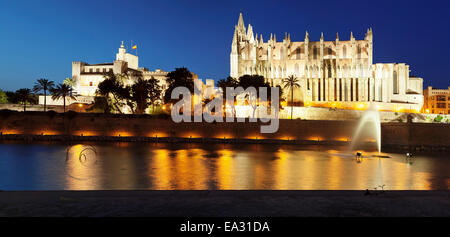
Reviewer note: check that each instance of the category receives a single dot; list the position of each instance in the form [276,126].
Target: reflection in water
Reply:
[81,167]
[208,166]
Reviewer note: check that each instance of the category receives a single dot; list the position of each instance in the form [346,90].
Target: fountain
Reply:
[371,115]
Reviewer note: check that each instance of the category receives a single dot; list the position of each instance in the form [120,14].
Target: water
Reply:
[213,166]
[373,129]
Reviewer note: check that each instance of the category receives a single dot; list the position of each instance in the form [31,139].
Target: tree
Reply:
[223,84]
[255,81]
[70,82]
[113,89]
[62,91]
[154,93]
[291,82]
[181,77]
[137,96]
[140,95]
[3,97]
[100,105]
[229,82]
[43,85]
[24,96]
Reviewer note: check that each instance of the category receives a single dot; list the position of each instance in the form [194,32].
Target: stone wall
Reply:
[39,123]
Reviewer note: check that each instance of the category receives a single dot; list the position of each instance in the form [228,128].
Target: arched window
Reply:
[315,52]
[344,51]
[329,51]
[359,51]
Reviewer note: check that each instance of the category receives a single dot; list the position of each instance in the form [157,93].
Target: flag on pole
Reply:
[134,47]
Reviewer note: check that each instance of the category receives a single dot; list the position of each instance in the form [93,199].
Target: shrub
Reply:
[438,118]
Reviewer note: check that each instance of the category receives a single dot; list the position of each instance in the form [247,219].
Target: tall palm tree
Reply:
[70,82]
[43,85]
[24,95]
[291,82]
[62,91]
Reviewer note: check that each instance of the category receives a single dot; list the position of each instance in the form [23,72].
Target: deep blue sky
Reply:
[42,38]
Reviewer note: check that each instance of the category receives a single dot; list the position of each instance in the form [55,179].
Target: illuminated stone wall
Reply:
[313,130]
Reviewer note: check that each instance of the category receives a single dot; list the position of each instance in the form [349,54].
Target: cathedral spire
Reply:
[307,36]
[235,36]
[249,32]
[337,36]
[321,36]
[241,20]
[261,41]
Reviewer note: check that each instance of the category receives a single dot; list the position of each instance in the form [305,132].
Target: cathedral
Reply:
[337,73]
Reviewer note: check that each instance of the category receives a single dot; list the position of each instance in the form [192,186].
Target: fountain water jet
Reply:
[370,115]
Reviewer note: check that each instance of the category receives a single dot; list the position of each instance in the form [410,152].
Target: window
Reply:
[344,49]
[90,70]
[97,70]
[298,53]
[104,69]
[329,51]
[395,81]
[440,98]
[359,51]
[441,105]
[315,52]
[90,83]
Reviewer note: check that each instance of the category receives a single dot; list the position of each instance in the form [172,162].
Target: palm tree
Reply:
[291,82]
[62,91]
[70,82]
[43,85]
[24,95]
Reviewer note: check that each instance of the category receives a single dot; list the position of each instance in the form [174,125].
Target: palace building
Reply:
[338,73]
[88,76]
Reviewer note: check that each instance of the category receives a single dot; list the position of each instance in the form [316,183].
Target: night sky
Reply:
[41,38]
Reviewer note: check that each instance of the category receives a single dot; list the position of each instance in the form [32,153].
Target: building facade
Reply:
[339,71]
[436,101]
[86,77]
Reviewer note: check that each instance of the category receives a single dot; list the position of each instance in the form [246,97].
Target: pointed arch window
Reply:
[315,52]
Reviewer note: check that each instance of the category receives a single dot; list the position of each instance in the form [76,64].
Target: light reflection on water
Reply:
[213,166]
